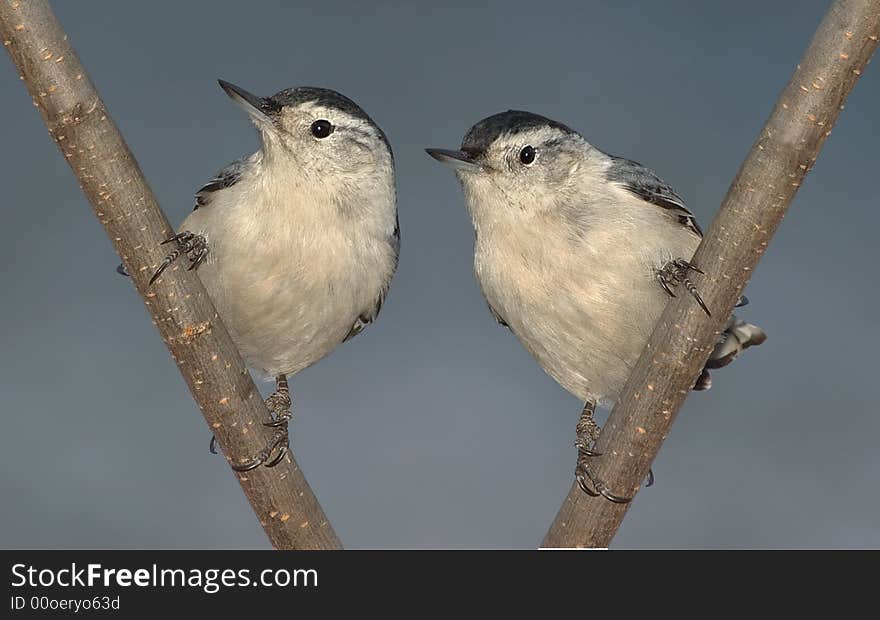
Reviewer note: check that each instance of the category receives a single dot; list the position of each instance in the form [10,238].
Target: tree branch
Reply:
[755,204]
[181,309]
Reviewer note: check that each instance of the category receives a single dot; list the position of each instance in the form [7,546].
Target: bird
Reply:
[577,252]
[296,243]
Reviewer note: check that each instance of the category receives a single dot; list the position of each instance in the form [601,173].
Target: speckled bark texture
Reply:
[181,309]
[754,206]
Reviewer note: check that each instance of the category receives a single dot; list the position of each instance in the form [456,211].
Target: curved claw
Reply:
[611,497]
[279,442]
[693,291]
[649,481]
[165,264]
[599,488]
[212,447]
[691,267]
[249,466]
[583,485]
[199,258]
[281,452]
[665,285]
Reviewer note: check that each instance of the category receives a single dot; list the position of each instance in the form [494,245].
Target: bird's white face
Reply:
[520,173]
[320,139]
[327,143]
[515,166]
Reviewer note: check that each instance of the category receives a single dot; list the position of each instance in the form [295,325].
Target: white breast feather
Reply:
[583,306]
[288,271]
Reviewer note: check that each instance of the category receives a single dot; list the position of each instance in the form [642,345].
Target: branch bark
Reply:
[180,307]
[755,204]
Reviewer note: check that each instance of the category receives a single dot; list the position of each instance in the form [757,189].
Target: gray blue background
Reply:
[434,428]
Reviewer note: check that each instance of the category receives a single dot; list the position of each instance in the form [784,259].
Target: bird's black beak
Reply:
[455,159]
[259,108]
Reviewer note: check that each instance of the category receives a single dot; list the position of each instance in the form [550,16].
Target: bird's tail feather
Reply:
[736,338]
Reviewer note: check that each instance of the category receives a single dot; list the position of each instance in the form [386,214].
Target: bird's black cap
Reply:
[483,134]
[322,96]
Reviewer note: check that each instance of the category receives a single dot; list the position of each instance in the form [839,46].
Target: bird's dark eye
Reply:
[527,155]
[321,128]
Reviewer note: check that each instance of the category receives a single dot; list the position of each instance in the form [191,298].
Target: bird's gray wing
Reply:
[495,315]
[644,183]
[370,315]
[227,177]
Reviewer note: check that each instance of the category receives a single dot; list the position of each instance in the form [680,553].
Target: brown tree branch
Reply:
[181,309]
[755,204]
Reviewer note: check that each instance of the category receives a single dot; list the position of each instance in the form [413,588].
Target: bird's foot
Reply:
[194,246]
[278,404]
[278,445]
[676,272]
[587,433]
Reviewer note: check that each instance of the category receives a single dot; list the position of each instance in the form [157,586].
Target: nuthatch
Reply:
[297,243]
[578,252]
